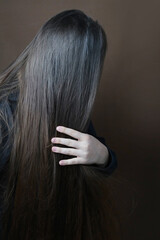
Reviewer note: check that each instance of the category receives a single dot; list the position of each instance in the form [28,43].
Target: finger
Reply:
[71,132]
[65,141]
[67,151]
[71,161]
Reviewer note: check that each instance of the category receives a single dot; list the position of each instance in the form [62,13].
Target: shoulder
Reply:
[7,107]
[12,100]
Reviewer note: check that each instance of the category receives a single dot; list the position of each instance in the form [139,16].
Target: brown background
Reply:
[127,107]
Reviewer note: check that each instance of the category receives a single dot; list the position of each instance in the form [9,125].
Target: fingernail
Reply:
[58,128]
[61,162]
[54,149]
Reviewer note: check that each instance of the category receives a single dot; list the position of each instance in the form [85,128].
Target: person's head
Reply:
[61,67]
[56,78]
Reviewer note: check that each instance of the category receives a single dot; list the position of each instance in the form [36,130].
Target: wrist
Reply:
[105,158]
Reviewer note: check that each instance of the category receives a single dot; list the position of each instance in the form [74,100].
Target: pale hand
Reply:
[86,148]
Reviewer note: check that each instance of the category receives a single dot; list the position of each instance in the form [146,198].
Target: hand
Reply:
[87,148]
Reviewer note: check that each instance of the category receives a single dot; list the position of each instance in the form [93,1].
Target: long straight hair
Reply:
[56,79]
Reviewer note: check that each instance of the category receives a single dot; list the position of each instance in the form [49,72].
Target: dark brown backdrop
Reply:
[127,108]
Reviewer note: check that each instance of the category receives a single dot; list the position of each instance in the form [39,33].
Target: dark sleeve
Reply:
[112,163]
[4,147]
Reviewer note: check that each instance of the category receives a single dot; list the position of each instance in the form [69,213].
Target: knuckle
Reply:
[86,146]
[87,137]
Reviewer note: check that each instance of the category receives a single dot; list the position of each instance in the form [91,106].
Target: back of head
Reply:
[66,61]
[57,77]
